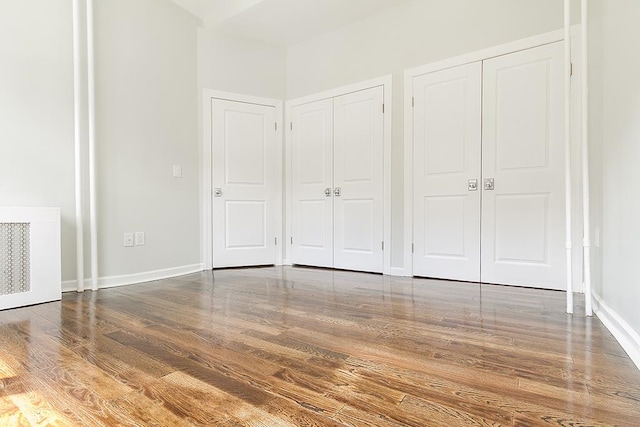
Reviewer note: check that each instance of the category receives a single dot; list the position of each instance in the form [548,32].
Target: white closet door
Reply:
[312,184]
[447,131]
[523,152]
[244,220]
[358,180]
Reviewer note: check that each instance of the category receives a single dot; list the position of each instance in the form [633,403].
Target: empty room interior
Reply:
[319,213]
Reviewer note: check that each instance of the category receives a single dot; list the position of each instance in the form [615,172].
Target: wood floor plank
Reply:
[10,414]
[300,346]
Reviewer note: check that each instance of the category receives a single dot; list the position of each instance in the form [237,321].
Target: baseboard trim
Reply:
[628,338]
[130,279]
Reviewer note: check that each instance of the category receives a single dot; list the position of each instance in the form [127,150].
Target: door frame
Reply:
[482,55]
[386,83]
[206,168]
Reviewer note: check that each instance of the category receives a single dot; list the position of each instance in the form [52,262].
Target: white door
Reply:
[244,183]
[358,180]
[523,227]
[312,184]
[447,131]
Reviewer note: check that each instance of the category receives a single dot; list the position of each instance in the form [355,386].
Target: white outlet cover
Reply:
[140,238]
[177,171]
[128,240]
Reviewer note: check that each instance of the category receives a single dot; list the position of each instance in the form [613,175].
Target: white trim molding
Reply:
[386,83]
[136,278]
[206,176]
[628,338]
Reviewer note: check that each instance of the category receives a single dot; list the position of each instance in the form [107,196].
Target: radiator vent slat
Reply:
[15,258]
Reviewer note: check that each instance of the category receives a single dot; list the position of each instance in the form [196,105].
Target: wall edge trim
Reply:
[132,279]
[628,338]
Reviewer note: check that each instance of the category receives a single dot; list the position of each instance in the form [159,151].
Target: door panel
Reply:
[447,141]
[244,221]
[358,174]
[523,151]
[312,177]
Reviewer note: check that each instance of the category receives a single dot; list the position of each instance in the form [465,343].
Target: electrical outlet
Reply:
[177,171]
[128,239]
[139,238]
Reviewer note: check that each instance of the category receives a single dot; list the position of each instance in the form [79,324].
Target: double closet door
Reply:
[489,171]
[337,182]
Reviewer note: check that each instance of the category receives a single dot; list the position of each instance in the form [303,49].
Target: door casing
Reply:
[386,83]
[481,55]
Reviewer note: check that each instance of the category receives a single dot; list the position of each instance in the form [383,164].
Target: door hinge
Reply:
[382,108]
[413,101]
[412,248]
[276,241]
[292,240]
[291,125]
[276,126]
[383,245]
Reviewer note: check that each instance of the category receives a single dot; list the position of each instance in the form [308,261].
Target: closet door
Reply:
[312,184]
[244,182]
[358,180]
[446,147]
[523,227]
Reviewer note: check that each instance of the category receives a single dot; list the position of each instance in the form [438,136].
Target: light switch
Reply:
[177,171]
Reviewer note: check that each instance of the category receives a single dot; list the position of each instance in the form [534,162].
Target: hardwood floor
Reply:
[305,347]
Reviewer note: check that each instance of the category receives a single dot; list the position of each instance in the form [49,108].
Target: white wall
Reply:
[36,112]
[615,135]
[147,121]
[411,34]
[241,66]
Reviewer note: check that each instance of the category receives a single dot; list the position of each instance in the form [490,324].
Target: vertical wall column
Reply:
[567,127]
[77,119]
[586,187]
[91,103]
[79,87]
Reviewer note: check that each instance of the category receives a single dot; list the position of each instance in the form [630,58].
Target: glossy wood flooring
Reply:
[303,347]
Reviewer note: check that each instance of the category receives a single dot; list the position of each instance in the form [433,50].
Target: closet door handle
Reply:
[488,184]
[217,192]
[327,192]
[472,185]
[337,192]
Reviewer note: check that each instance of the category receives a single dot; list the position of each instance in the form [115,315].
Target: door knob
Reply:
[217,192]
[337,192]
[327,192]
[488,184]
[472,185]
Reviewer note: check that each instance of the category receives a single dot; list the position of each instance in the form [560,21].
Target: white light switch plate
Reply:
[177,171]
[128,240]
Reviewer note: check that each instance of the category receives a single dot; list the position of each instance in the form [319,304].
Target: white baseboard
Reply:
[130,279]
[628,338]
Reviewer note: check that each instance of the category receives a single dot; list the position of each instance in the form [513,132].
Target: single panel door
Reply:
[358,180]
[312,183]
[244,184]
[446,162]
[523,213]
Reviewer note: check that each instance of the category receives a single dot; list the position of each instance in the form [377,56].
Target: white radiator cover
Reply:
[30,265]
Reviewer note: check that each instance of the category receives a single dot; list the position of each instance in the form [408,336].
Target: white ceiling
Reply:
[282,22]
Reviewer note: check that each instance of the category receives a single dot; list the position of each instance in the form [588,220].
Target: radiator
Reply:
[30,266]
